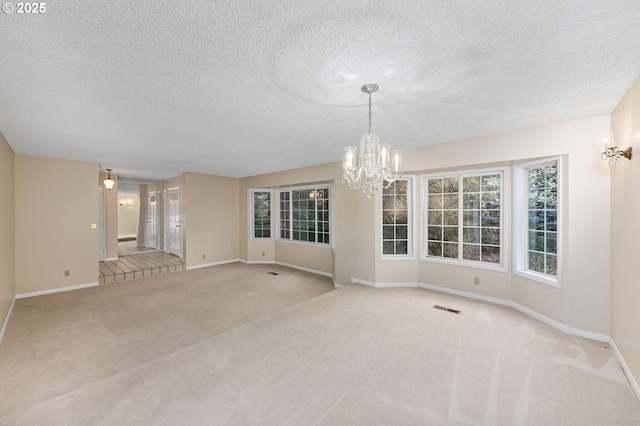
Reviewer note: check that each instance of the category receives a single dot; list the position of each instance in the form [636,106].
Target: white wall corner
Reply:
[258,262]
[625,368]
[302,268]
[362,282]
[6,320]
[222,262]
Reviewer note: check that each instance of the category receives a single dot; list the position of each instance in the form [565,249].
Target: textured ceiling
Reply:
[239,88]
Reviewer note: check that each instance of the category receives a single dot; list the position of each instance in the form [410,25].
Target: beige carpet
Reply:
[235,345]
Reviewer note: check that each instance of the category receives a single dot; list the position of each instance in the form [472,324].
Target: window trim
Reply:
[521,221]
[320,185]
[504,219]
[411,199]
[252,216]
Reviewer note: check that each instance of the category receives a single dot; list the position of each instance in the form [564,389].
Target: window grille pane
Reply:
[471,235]
[467,209]
[261,214]
[306,216]
[490,254]
[434,249]
[450,250]
[395,218]
[401,247]
[542,219]
[471,252]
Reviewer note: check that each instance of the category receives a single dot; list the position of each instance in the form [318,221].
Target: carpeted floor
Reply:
[234,344]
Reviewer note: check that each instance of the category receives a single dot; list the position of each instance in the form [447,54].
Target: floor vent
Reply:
[444,308]
[272,273]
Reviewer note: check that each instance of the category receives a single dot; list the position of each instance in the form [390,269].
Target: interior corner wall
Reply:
[56,203]
[143,197]
[210,214]
[625,232]
[110,216]
[7,219]
[352,255]
[582,301]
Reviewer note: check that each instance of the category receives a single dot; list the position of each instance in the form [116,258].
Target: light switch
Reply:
[94,226]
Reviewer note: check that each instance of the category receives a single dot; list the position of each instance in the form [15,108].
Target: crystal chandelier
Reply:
[377,166]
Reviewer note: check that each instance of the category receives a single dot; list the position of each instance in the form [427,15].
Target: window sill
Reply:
[304,243]
[397,257]
[475,265]
[544,279]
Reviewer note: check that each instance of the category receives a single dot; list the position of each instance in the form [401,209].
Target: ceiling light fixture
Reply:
[612,154]
[377,166]
[108,182]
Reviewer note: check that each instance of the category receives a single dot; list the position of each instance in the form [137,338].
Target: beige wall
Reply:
[56,203]
[210,218]
[128,209]
[625,232]
[7,241]
[582,300]
[142,215]
[111,215]
[352,255]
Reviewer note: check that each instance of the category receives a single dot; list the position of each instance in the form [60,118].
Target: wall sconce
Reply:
[612,154]
[108,182]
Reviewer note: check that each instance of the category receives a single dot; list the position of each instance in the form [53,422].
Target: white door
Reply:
[152,220]
[174,217]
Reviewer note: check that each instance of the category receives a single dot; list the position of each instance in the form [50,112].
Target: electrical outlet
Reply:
[203,256]
[262,254]
[67,272]
[476,280]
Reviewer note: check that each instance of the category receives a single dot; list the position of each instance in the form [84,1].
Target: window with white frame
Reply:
[463,217]
[305,214]
[261,212]
[396,219]
[537,207]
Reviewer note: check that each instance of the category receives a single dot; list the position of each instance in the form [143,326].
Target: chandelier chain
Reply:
[369,112]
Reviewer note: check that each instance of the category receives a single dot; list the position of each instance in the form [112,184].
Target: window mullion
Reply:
[460,216]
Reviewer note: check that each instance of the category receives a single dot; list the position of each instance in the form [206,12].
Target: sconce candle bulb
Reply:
[612,154]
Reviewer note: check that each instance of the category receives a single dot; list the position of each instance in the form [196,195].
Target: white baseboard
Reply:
[549,321]
[363,282]
[6,320]
[288,265]
[476,296]
[111,259]
[258,262]
[56,290]
[560,326]
[302,268]
[625,368]
[496,300]
[206,265]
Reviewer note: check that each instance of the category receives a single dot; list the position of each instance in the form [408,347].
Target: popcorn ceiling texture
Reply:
[156,88]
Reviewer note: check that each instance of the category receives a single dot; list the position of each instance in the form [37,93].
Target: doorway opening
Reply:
[149,218]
